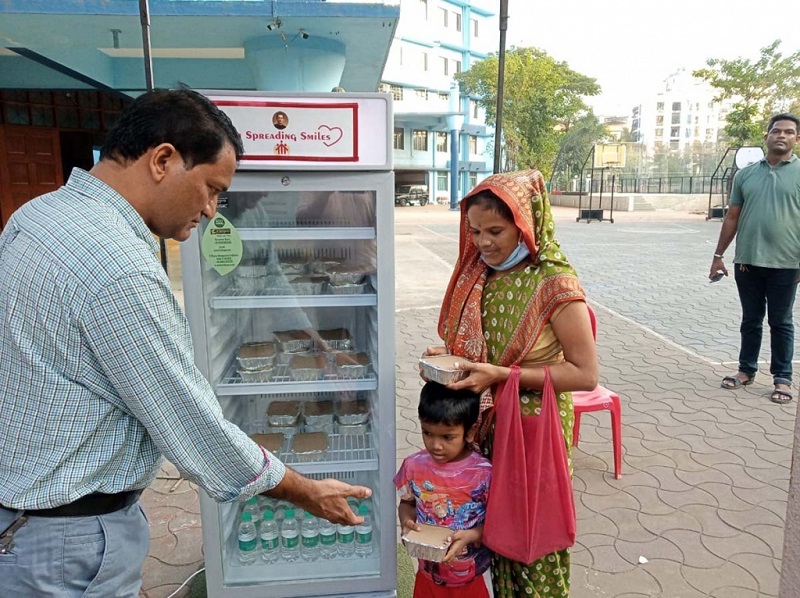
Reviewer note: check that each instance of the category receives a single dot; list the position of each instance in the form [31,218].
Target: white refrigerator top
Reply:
[311,131]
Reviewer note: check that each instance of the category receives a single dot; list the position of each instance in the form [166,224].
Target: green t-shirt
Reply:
[768,234]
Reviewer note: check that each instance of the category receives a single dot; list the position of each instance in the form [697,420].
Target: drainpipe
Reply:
[454,123]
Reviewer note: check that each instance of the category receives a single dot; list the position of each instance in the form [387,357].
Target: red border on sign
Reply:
[270,104]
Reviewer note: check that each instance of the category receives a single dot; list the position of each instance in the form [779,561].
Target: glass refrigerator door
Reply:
[298,343]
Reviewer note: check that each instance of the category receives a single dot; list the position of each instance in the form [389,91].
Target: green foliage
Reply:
[759,88]
[575,145]
[542,98]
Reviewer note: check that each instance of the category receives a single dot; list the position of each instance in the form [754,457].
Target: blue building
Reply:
[435,40]
[68,67]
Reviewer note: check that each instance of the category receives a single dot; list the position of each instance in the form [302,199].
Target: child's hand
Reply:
[409,524]
[459,541]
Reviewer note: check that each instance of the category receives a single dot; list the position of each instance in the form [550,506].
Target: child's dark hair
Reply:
[440,405]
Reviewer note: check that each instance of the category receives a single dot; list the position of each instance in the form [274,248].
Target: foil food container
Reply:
[318,414]
[353,429]
[251,270]
[310,446]
[256,356]
[255,376]
[308,285]
[328,428]
[283,413]
[286,358]
[337,338]
[352,412]
[340,276]
[352,365]
[292,341]
[322,266]
[428,544]
[348,289]
[304,368]
[441,368]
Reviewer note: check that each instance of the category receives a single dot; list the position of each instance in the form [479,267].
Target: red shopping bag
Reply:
[531,510]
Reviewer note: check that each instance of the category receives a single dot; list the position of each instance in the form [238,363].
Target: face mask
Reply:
[519,254]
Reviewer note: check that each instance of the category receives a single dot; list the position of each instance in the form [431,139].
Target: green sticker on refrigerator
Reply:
[221,245]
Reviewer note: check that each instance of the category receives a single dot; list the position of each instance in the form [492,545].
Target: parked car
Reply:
[411,194]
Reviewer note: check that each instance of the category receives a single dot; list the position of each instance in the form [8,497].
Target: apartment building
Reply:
[680,115]
[434,40]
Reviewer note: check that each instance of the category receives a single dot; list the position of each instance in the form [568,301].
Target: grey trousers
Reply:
[71,557]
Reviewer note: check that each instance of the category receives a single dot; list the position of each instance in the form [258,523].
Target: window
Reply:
[709,133]
[420,140]
[474,27]
[675,132]
[445,13]
[688,119]
[473,108]
[441,180]
[444,96]
[472,140]
[660,106]
[456,66]
[688,133]
[397,92]
[660,119]
[445,70]
[441,142]
[458,20]
[676,118]
[424,61]
[473,179]
[659,133]
[676,106]
[674,146]
[421,93]
[423,5]
[399,138]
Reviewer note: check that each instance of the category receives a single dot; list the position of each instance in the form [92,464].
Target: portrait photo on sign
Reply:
[280,120]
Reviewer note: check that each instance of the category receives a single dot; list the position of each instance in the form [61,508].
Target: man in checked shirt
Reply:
[97,375]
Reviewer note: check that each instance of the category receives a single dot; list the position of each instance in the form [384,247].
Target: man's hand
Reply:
[325,498]
[460,540]
[717,265]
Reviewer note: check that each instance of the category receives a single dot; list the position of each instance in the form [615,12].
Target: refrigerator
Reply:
[289,293]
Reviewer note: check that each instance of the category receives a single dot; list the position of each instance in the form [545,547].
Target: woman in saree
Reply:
[514,299]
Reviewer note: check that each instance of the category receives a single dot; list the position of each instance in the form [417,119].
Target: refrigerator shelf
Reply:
[354,452]
[231,384]
[322,233]
[238,299]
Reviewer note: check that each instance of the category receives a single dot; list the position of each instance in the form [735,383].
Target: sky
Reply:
[632,46]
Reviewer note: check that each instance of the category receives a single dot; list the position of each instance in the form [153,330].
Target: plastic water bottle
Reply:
[290,537]
[270,538]
[251,506]
[248,540]
[327,539]
[346,535]
[309,544]
[364,533]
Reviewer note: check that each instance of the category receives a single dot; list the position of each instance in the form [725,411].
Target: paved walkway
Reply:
[706,470]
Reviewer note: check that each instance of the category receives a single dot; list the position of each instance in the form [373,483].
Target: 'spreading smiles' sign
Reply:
[296,131]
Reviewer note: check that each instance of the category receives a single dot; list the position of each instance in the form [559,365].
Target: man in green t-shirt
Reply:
[764,216]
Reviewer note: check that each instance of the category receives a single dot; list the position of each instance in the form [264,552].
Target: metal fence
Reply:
[658,184]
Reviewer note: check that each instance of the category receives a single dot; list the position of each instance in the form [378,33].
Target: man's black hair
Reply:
[784,116]
[440,405]
[186,119]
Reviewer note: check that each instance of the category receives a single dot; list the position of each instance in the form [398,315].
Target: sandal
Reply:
[734,382]
[781,397]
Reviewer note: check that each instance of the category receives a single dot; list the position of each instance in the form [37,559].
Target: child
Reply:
[447,484]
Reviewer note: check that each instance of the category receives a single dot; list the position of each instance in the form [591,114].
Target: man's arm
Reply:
[726,236]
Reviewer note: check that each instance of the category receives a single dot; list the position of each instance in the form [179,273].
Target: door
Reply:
[30,165]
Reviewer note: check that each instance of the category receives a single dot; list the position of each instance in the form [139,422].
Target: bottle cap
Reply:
[247,516]
[309,515]
[269,515]
[253,500]
[289,514]
[363,510]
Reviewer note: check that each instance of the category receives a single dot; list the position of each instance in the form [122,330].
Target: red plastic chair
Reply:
[596,400]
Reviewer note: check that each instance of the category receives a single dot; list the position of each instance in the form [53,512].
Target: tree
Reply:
[542,98]
[758,88]
[575,145]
